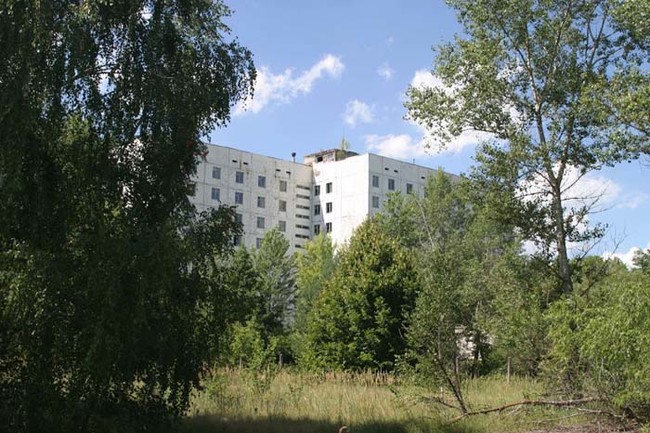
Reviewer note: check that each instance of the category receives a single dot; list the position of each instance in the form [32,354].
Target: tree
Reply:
[358,320]
[642,260]
[276,284]
[241,279]
[401,219]
[315,268]
[602,341]
[235,305]
[463,261]
[105,289]
[526,72]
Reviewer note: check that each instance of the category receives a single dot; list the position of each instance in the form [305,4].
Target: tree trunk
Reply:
[564,269]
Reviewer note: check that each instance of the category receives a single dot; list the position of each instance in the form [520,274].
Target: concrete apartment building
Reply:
[332,191]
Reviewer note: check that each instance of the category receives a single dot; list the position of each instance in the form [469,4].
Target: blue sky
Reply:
[334,69]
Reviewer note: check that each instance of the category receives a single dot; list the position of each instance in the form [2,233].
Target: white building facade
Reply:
[331,191]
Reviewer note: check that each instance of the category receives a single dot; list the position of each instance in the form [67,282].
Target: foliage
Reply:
[314,268]
[529,73]
[260,306]
[248,348]
[401,219]
[276,284]
[600,342]
[516,322]
[462,252]
[642,260]
[234,306]
[360,315]
[241,278]
[106,295]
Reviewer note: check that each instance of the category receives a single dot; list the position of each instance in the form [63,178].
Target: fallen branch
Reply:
[556,403]
[440,401]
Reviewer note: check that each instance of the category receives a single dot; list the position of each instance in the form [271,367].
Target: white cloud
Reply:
[633,200]
[589,189]
[423,79]
[625,257]
[395,146]
[358,112]
[389,41]
[282,88]
[385,71]
[592,190]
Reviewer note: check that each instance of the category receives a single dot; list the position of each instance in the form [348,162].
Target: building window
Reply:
[282,225]
[215,194]
[316,189]
[409,188]
[283,186]
[260,222]
[375,202]
[317,209]
[261,181]
[236,241]
[375,181]
[391,184]
[328,227]
[239,218]
[239,198]
[258,243]
[216,172]
[261,202]
[239,176]
[283,206]
[316,229]
[328,207]
[328,187]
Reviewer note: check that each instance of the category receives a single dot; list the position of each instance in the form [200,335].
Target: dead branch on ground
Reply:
[555,403]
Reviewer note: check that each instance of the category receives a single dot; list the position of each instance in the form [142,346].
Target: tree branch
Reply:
[555,403]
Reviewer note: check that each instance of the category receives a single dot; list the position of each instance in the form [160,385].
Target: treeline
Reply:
[438,289]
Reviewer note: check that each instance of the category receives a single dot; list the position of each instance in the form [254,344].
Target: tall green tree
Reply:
[236,305]
[462,254]
[275,295]
[358,320]
[105,290]
[314,268]
[526,71]
[401,219]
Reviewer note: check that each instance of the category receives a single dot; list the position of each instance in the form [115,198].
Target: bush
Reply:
[601,343]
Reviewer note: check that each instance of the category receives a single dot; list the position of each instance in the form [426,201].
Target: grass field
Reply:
[236,401]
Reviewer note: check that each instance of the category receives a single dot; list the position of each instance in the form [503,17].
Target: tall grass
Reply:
[240,401]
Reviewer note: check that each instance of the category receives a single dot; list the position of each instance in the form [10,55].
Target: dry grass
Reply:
[236,401]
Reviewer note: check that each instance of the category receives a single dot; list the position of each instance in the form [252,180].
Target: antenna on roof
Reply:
[344,145]
[293,156]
